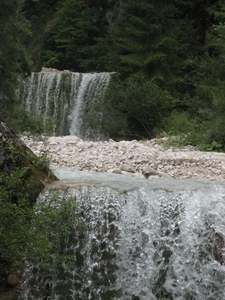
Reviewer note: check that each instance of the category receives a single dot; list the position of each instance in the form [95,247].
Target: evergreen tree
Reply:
[145,41]
[146,50]
[40,14]
[14,60]
[211,86]
[75,42]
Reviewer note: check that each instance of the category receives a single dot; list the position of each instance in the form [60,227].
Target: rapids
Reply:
[140,240]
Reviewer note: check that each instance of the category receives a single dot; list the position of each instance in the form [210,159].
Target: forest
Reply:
[168,57]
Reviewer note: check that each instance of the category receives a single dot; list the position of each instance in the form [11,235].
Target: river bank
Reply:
[145,159]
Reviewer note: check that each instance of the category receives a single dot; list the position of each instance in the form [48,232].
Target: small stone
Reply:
[149,172]
[138,175]
[127,168]
[114,171]
[12,280]
[117,171]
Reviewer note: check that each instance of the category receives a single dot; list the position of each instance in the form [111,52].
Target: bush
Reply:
[133,107]
[182,129]
[15,214]
[178,123]
[21,120]
[21,180]
[28,231]
[53,228]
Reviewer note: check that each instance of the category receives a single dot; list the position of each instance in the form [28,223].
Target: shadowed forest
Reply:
[168,58]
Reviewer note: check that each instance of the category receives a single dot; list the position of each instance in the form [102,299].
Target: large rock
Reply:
[14,153]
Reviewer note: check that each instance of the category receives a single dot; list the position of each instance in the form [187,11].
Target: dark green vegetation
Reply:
[168,56]
[169,59]
[30,230]
[22,177]
[15,63]
[54,228]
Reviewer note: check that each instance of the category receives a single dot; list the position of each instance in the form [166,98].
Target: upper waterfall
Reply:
[61,98]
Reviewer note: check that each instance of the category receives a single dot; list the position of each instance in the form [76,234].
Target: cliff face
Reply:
[22,177]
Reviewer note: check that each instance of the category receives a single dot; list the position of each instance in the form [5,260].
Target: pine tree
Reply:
[75,42]
[211,87]
[145,40]
[14,60]
[40,15]
[146,51]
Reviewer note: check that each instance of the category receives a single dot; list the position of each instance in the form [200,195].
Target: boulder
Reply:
[14,153]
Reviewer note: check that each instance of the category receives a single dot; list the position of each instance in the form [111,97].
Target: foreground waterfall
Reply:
[136,240]
[62,97]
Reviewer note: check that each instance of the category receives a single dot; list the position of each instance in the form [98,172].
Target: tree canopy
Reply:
[14,60]
[175,47]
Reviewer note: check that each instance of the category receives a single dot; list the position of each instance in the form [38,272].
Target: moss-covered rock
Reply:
[22,177]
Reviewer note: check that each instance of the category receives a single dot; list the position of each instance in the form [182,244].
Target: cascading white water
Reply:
[62,97]
[92,87]
[141,240]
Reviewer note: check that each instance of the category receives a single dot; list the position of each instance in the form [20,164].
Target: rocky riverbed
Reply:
[145,159]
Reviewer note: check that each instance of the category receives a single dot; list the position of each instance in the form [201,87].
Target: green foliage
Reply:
[210,81]
[133,108]
[75,41]
[14,59]
[179,123]
[40,233]
[15,214]
[181,130]
[40,14]
[19,189]
[147,44]
[214,129]
[53,229]
[147,40]
[23,121]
